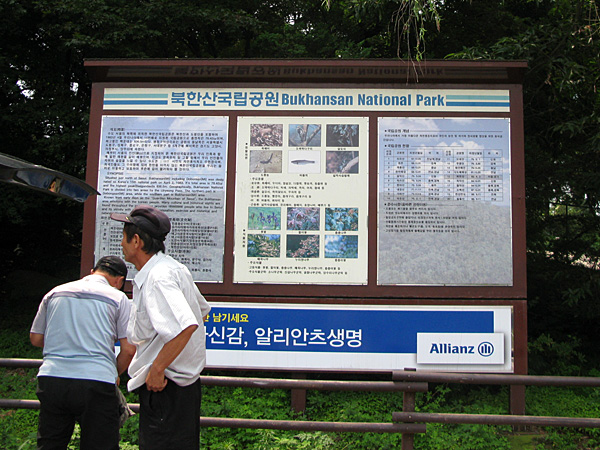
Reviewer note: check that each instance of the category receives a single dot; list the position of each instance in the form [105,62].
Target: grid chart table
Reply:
[442,174]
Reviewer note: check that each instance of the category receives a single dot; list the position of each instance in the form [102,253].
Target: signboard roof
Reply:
[321,71]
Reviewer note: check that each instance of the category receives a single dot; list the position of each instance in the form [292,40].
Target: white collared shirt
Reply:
[165,302]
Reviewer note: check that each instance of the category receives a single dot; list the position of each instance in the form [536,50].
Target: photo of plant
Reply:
[337,246]
[341,219]
[303,218]
[341,162]
[342,135]
[266,135]
[304,135]
[264,245]
[263,218]
[302,246]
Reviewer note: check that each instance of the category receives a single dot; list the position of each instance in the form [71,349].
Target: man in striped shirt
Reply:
[77,325]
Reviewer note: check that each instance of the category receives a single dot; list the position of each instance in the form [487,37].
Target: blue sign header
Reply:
[320,330]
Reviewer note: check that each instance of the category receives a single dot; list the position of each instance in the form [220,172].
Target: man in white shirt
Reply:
[77,325]
[167,328]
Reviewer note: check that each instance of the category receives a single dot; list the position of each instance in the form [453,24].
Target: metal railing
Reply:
[405,422]
[496,419]
[407,430]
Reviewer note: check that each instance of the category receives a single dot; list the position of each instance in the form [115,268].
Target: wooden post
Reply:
[299,396]
[517,393]
[408,405]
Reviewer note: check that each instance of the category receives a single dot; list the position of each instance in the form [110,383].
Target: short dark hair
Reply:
[111,265]
[151,245]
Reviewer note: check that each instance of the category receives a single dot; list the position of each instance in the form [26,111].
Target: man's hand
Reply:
[155,380]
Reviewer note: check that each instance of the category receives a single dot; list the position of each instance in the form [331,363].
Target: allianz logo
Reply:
[484,349]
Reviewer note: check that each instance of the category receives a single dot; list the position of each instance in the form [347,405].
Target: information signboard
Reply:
[338,215]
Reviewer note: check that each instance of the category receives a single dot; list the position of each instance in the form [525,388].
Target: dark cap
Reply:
[112,264]
[149,219]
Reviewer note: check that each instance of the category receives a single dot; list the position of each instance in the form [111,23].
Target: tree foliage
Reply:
[409,21]
[562,130]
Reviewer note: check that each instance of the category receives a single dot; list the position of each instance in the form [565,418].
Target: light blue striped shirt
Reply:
[81,321]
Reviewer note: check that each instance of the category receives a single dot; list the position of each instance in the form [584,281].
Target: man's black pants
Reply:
[170,419]
[93,404]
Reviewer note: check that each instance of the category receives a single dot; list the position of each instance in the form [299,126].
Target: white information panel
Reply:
[301,200]
[177,164]
[444,211]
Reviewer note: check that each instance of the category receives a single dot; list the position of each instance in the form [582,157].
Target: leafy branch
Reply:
[409,19]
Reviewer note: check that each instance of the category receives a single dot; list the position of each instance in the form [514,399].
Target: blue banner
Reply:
[335,330]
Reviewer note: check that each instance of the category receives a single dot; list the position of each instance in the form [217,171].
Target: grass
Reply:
[18,427]
[519,441]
